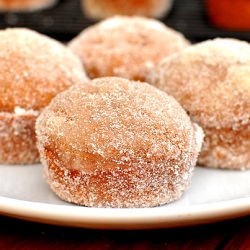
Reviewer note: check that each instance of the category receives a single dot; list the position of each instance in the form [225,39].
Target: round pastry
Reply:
[25,5]
[33,69]
[211,81]
[117,143]
[127,47]
[99,9]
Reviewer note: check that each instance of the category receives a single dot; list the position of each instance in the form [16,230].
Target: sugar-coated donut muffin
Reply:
[33,69]
[25,5]
[125,46]
[99,9]
[113,142]
[211,80]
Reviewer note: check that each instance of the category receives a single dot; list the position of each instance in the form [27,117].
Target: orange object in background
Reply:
[229,14]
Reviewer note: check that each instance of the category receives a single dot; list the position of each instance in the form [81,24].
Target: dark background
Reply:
[228,235]
[66,19]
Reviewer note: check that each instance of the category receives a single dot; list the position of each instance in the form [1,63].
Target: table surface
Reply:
[18,234]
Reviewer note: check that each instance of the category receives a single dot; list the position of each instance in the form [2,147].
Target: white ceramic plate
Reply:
[214,195]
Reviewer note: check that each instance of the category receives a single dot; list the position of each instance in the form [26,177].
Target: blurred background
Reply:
[197,19]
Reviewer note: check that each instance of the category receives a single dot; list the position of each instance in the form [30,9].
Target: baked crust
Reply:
[117,143]
[126,47]
[33,69]
[211,82]
[17,138]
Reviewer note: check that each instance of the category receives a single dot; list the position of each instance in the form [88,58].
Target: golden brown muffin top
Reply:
[110,121]
[33,69]
[126,46]
[211,80]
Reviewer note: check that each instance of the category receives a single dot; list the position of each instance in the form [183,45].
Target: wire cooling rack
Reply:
[66,19]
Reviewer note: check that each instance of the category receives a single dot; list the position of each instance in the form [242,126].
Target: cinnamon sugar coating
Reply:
[127,47]
[211,81]
[17,138]
[117,143]
[99,9]
[33,69]
[25,5]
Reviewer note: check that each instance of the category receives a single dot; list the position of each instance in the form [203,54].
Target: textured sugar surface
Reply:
[125,46]
[25,5]
[105,8]
[17,137]
[113,142]
[226,148]
[211,81]
[33,69]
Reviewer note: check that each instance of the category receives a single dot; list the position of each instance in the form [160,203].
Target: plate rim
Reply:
[122,218]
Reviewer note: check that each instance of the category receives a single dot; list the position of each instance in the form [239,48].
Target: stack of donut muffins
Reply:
[121,115]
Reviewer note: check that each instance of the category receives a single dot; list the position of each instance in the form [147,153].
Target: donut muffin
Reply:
[211,80]
[25,5]
[113,142]
[127,47]
[33,69]
[100,9]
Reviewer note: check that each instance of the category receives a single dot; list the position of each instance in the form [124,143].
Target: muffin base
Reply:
[226,148]
[17,138]
[137,186]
